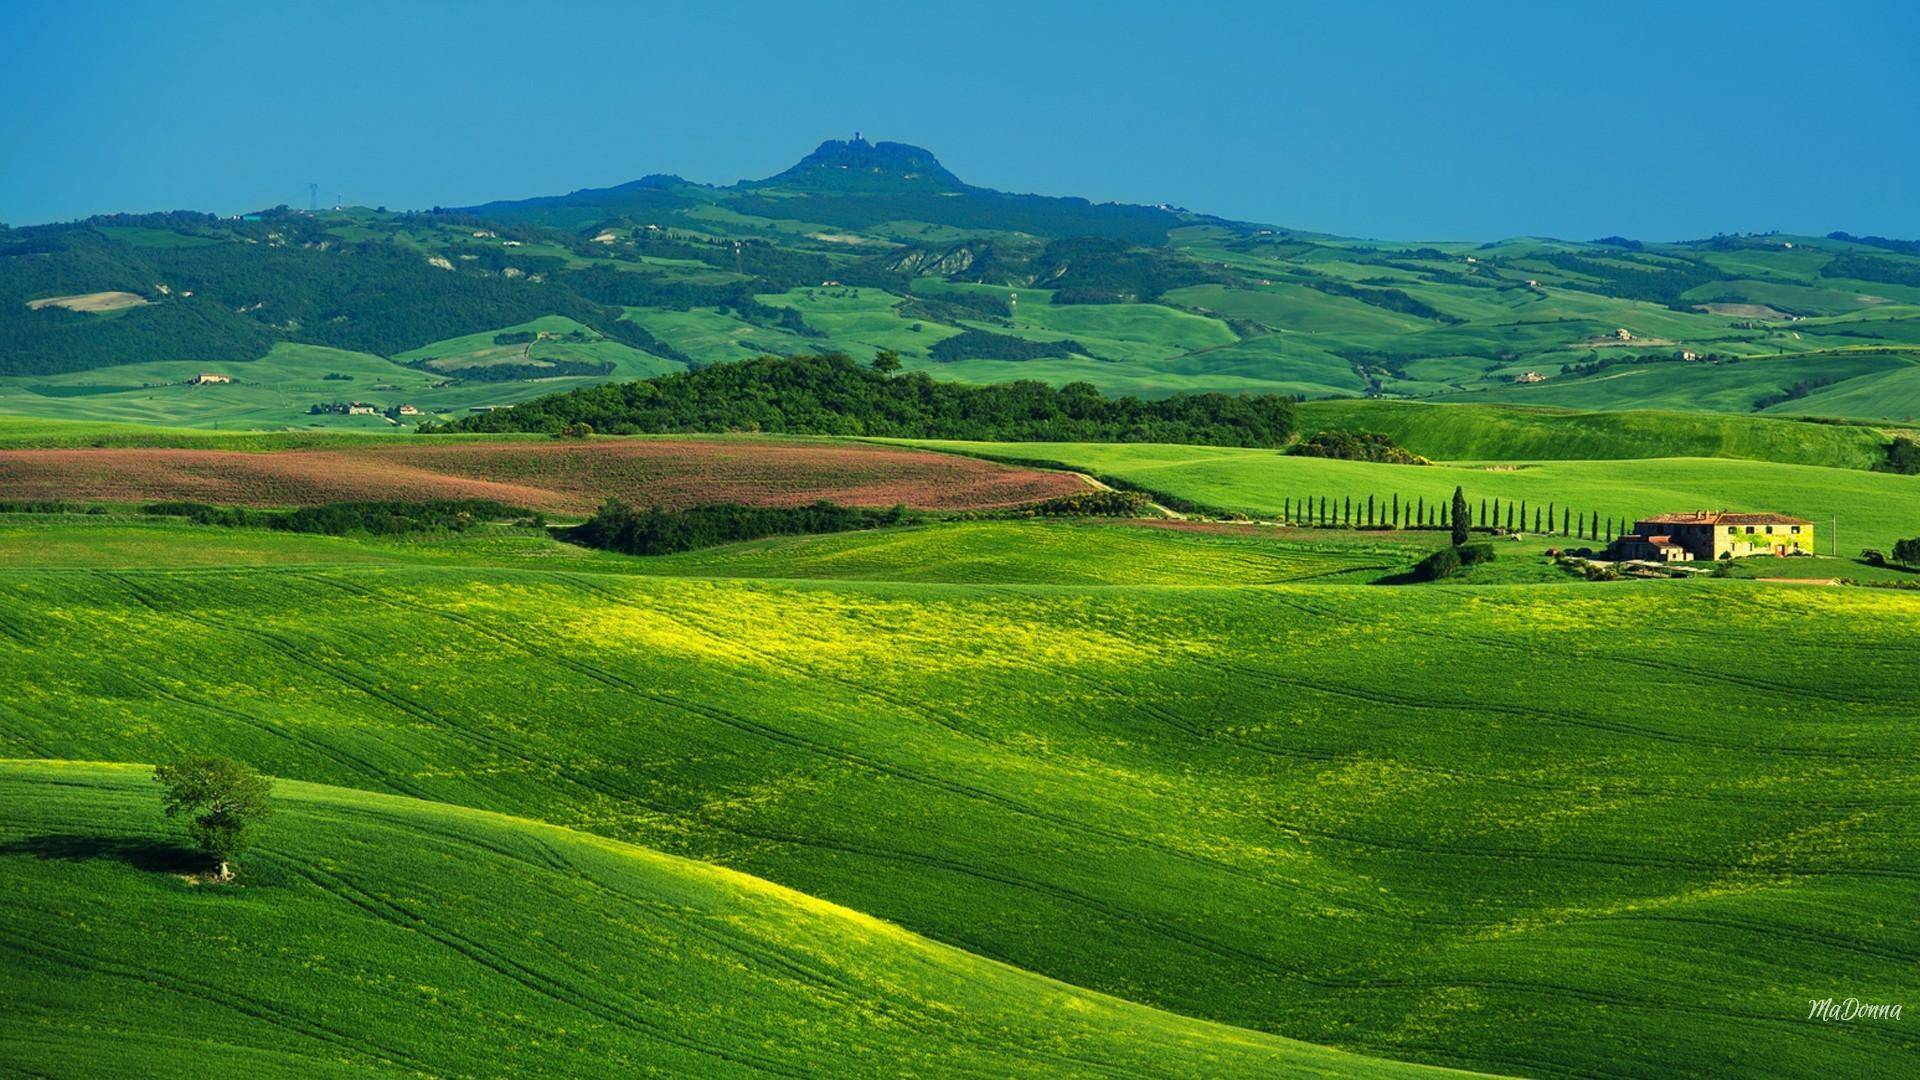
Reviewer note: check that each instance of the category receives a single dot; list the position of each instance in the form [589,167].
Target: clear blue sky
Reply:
[1410,121]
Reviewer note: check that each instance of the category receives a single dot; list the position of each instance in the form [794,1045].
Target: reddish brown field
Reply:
[565,477]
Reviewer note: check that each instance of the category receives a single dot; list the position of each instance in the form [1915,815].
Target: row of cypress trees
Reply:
[1373,511]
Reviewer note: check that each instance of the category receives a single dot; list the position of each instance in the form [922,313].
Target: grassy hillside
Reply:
[1873,509]
[1519,433]
[1448,825]
[537,951]
[1120,553]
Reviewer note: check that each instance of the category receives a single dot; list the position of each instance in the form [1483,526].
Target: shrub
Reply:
[1907,552]
[338,519]
[1903,456]
[1475,554]
[1443,563]
[1092,504]
[617,526]
[1356,446]
[1873,557]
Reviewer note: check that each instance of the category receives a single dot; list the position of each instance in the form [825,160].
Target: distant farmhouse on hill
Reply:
[1706,534]
[207,377]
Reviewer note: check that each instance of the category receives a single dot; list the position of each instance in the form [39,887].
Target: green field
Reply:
[382,910]
[275,392]
[1205,793]
[1519,433]
[1452,825]
[1872,509]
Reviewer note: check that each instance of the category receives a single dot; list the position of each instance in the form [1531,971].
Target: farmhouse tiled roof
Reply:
[1717,517]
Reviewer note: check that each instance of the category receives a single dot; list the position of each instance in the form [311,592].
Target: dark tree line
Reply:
[833,395]
[620,527]
[1493,515]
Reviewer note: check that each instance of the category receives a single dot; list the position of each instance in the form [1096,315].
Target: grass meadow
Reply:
[1532,829]
[1873,509]
[534,950]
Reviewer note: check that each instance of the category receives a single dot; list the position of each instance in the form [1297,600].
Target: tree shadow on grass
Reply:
[153,856]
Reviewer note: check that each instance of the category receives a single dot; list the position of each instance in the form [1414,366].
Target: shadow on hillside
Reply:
[153,856]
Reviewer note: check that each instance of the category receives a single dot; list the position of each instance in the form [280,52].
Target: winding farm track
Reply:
[565,477]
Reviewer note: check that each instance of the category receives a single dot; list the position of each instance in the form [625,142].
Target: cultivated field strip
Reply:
[571,477]
[1236,803]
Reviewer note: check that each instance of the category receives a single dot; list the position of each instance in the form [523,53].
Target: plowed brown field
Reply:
[566,477]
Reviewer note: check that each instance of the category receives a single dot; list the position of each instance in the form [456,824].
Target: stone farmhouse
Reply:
[1711,534]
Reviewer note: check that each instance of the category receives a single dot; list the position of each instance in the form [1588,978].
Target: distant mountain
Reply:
[851,184]
[858,164]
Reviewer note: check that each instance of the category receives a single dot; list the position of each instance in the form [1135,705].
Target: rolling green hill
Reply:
[1873,509]
[538,951]
[1522,433]
[1464,826]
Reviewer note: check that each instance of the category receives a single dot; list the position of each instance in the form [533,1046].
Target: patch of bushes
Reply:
[985,345]
[1443,563]
[46,506]
[617,526]
[1903,457]
[1357,446]
[493,373]
[339,519]
[1907,552]
[1091,504]
[1448,561]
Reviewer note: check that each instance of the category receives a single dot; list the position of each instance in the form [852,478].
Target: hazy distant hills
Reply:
[864,246]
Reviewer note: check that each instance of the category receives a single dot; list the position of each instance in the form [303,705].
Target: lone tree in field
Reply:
[886,361]
[1459,517]
[227,800]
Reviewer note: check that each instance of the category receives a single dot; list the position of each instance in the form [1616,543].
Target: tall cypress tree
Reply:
[1421,519]
[1459,517]
[1566,520]
[1369,511]
[1347,516]
[1536,519]
[1396,510]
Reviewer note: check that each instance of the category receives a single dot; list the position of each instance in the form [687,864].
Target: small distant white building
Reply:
[1623,334]
[361,408]
[1529,377]
[208,377]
